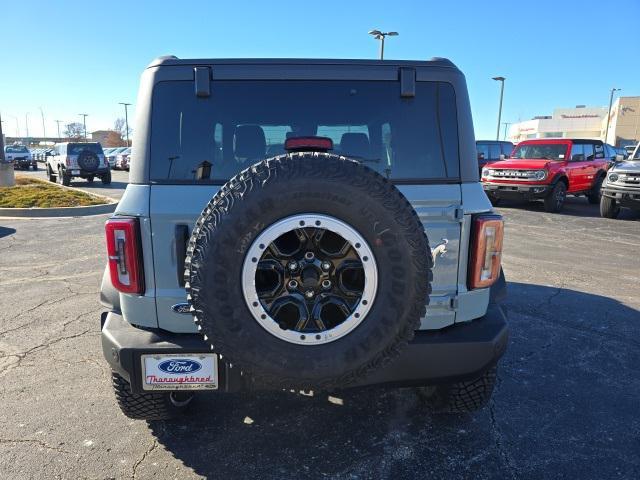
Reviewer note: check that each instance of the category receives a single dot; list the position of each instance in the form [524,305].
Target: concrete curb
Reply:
[58,212]
[64,211]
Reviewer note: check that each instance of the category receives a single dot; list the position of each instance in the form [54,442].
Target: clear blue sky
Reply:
[71,57]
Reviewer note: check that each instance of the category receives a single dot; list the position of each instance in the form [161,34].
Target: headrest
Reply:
[249,142]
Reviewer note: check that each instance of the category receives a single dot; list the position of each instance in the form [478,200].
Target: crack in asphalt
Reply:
[497,434]
[44,303]
[22,355]
[147,452]
[34,441]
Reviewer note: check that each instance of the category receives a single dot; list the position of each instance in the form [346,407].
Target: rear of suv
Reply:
[492,151]
[548,170]
[85,160]
[302,224]
[20,156]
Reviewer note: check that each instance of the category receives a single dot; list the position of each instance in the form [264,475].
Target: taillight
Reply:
[486,250]
[67,161]
[315,144]
[125,254]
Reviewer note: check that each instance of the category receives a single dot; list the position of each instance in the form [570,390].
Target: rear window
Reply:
[547,151]
[16,149]
[76,148]
[243,122]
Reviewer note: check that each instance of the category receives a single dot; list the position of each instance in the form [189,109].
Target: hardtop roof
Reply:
[171,60]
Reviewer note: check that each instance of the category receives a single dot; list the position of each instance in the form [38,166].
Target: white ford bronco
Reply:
[307,225]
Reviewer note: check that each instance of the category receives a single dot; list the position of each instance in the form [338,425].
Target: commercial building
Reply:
[585,122]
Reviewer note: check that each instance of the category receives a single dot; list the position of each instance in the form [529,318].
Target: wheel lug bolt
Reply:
[326,266]
[309,256]
[326,284]
[292,284]
[308,294]
[293,266]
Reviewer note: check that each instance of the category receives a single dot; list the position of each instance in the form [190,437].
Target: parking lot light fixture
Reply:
[58,122]
[501,80]
[84,122]
[606,132]
[378,35]
[126,121]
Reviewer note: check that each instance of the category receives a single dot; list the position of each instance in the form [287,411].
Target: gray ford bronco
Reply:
[307,225]
[621,187]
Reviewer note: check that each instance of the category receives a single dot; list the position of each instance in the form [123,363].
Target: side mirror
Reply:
[618,158]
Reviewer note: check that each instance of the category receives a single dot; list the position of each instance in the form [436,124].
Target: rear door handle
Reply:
[181,239]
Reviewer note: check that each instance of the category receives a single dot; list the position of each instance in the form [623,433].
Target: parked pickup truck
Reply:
[548,170]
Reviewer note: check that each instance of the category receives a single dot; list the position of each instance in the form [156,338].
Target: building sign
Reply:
[579,116]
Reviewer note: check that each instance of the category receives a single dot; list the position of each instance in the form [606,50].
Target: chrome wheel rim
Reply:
[309,279]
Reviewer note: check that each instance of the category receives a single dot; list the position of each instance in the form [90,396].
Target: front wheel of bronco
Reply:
[554,202]
[594,195]
[460,397]
[149,406]
[609,207]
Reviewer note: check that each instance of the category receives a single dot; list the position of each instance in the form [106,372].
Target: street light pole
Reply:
[58,122]
[501,80]
[126,120]
[506,124]
[26,124]
[17,126]
[84,122]
[378,35]
[1,142]
[606,132]
[44,131]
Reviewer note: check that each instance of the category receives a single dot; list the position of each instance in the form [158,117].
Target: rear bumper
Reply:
[86,173]
[517,190]
[460,352]
[627,197]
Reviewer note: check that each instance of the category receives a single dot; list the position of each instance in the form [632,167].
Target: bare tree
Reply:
[74,130]
[120,126]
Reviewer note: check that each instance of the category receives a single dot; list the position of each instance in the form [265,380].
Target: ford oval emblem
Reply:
[181,308]
[179,366]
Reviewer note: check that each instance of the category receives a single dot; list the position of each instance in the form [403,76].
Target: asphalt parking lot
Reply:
[566,405]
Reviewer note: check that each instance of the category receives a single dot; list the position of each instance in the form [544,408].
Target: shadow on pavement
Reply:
[574,206]
[4,231]
[565,406]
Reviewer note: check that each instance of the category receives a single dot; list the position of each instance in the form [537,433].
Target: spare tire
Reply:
[89,161]
[308,270]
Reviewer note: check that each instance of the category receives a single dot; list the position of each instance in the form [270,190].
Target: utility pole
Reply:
[58,122]
[84,122]
[501,80]
[1,142]
[44,131]
[26,124]
[17,126]
[606,132]
[126,121]
[378,35]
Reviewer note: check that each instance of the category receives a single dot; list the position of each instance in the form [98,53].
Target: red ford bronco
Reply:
[548,170]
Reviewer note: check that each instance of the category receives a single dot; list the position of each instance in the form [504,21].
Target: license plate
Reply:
[75,172]
[180,372]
